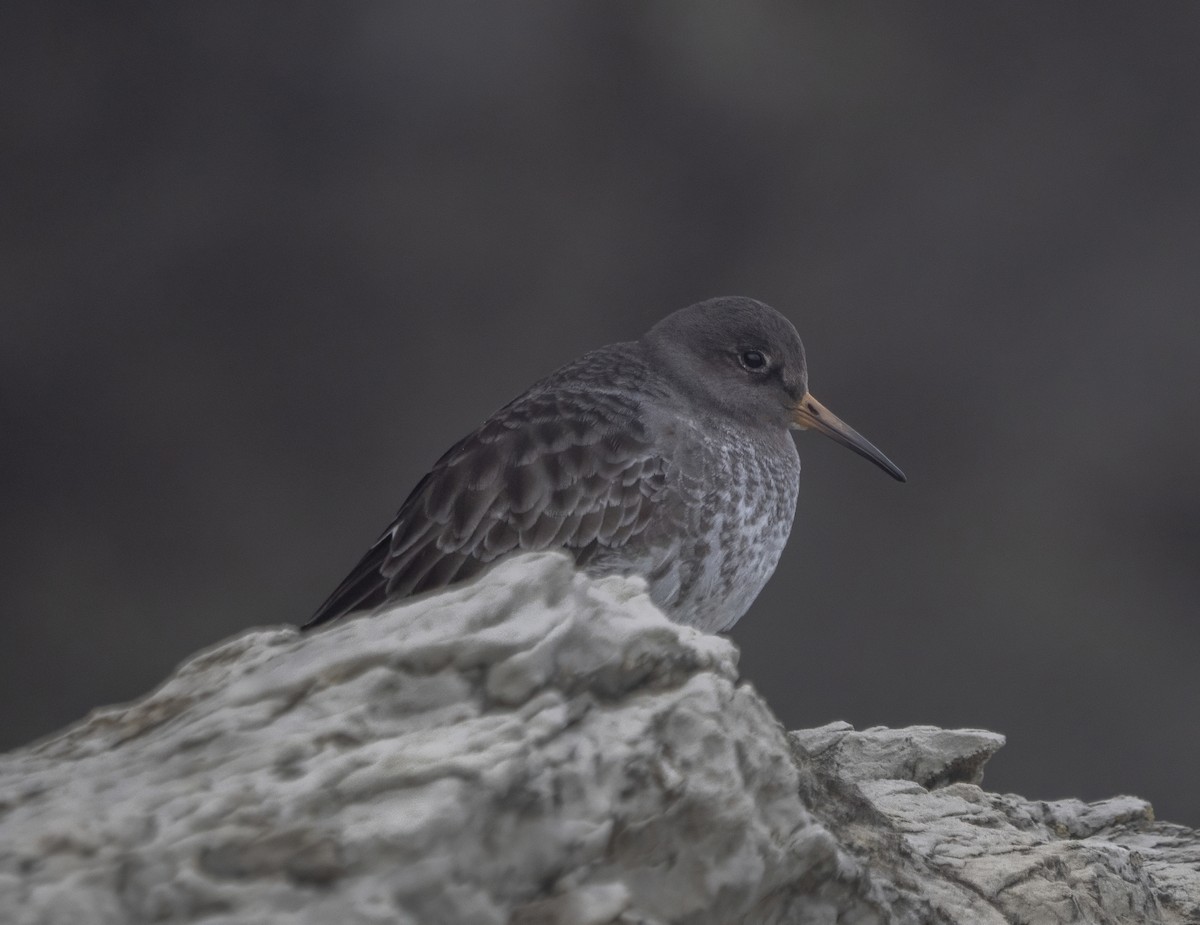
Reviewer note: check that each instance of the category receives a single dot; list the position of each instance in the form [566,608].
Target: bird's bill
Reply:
[811,413]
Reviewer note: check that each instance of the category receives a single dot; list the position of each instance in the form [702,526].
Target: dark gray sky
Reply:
[261,264]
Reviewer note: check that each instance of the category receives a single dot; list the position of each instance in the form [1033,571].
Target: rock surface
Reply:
[539,748]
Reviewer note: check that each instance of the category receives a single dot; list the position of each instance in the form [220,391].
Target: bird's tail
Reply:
[363,589]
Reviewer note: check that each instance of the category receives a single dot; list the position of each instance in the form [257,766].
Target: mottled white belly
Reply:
[742,498]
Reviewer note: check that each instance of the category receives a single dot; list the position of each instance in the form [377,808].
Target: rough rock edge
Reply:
[540,748]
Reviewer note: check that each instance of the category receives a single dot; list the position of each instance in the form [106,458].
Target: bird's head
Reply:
[744,358]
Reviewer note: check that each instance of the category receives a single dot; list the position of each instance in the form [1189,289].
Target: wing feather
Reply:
[561,468]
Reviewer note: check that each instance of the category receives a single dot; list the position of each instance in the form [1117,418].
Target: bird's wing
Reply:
[570,469]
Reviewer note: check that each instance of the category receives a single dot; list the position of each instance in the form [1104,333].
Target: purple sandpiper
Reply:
[666,457]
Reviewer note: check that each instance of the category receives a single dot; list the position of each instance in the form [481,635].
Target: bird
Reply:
[668,457]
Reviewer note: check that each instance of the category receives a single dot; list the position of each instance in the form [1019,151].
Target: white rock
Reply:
[533,748]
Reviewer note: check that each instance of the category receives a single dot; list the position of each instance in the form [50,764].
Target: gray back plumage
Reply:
[567,465]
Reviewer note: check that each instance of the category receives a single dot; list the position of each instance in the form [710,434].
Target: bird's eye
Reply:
[753,360]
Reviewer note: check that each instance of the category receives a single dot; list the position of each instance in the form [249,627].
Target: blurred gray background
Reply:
[262,264]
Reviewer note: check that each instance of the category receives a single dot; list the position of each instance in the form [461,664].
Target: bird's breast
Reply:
[735,499]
